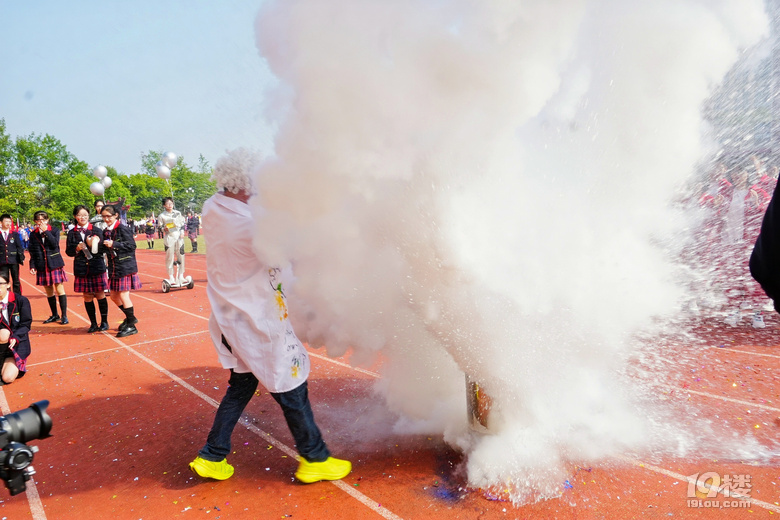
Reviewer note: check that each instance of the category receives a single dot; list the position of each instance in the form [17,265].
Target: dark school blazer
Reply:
[121,258]
[45,255]
[11,250]
[19,322]
[81,266]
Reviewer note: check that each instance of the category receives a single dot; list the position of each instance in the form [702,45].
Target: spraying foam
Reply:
[483,187]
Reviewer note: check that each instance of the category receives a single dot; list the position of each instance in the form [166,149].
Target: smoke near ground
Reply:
[484,188]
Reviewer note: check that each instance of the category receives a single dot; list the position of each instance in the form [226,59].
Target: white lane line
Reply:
[114,349]
[745,352]
[722,489]
[246,422]
[245,419]
[198,285]
[726,399]
[347,365]
[371,504]
[136,295]
[157,264]
[34,499]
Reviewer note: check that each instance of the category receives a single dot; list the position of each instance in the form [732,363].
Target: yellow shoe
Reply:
[330,469]
[207,469]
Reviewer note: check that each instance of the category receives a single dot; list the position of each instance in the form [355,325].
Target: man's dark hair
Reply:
[5,216]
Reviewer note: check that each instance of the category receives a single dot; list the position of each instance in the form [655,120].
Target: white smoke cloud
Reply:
[481,187]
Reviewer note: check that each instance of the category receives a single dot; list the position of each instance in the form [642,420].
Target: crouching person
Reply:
[15,322]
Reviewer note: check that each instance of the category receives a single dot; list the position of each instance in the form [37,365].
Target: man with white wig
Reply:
[252,333]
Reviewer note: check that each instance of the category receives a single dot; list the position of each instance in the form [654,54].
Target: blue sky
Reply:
[111,80]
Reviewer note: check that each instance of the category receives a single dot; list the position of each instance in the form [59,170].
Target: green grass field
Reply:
[140,241]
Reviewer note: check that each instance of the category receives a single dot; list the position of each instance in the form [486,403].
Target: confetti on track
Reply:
[130,414]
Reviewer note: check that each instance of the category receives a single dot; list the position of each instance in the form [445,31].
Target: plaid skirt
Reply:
[91,284]
[47,278]
[150,236]
[20,363]
[130,282]
[193,235]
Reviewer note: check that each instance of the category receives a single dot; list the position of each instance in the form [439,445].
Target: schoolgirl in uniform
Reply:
[83,244]
[119,245]
[15,323]
[149,230]
[48,266]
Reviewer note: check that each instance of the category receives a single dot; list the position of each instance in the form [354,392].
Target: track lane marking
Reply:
[726,399]
[727,349]
[677,476]
[244,421]
[114,349]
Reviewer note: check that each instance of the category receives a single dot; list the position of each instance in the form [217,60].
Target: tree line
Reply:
[38,172]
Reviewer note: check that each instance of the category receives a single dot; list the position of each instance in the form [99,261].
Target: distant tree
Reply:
[147,192]
[19,199]
[203,165]
[38,172]
[6,154]
[46,169]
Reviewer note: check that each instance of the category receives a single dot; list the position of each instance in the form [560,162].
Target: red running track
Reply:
[130,414]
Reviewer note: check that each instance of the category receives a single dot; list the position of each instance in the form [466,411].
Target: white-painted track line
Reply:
[36,507]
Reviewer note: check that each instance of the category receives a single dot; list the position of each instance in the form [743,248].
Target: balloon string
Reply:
[171,187]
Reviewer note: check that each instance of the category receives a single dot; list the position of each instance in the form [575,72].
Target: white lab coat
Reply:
[247,299]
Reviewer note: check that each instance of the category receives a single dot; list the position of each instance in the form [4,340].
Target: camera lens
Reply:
[20,456]
[28,424]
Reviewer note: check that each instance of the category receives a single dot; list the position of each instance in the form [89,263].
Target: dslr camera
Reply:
[15,456]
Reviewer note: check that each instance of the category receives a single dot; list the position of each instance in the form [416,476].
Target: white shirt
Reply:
[248,305]
[5,311]
[171,221]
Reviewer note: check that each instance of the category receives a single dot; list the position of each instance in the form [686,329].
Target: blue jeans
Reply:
[297,411]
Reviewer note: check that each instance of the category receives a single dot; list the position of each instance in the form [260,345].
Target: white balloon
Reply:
[163,171]
[170,159]
[97,189]
[106,182]
[100,171]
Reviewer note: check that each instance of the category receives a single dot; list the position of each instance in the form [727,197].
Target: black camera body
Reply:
[15,456]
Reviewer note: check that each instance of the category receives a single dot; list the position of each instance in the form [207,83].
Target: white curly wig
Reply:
[233,171]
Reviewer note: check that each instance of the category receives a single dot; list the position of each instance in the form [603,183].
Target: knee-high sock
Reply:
[64,304]
[90,307]
[103,306]
[53,305]
[130,313]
